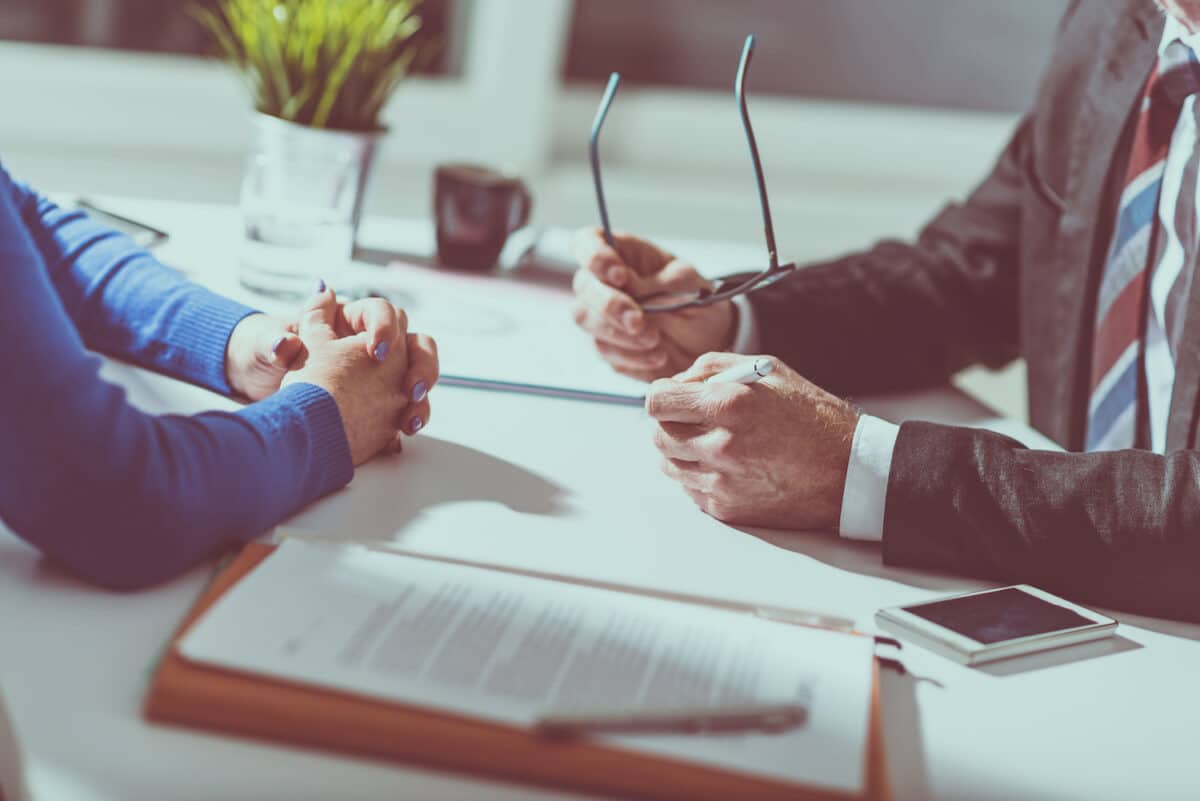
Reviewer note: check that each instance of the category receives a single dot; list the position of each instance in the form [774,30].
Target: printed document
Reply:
[510,648]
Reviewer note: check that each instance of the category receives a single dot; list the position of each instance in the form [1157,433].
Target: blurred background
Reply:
[870,113]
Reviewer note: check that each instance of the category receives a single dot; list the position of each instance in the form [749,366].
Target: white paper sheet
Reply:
[510,648]
[503,330]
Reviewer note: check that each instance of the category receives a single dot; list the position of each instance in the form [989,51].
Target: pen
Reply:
[745,373]
[768,718]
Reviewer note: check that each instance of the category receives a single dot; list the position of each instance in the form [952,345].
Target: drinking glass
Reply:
[298,217]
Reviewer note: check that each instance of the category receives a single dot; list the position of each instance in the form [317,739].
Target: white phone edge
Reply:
[968,651]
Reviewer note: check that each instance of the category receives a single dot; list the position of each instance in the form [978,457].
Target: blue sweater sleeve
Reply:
[123,301]
[118,496]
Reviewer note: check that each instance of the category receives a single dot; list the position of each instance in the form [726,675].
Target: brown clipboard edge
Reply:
[230,702]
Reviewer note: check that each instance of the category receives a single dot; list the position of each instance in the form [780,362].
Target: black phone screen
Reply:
[999,615]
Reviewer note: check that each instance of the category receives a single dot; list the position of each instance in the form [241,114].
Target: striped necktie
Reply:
[1138,243]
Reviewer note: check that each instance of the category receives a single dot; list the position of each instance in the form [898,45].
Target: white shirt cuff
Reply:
[745,338]
[865,494]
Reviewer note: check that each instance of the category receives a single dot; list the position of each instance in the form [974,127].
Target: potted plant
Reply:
[320,73]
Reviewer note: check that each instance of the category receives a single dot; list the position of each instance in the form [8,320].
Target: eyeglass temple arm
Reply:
[614,81]
[740,91]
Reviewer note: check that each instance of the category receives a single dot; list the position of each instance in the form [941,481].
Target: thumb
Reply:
[318,318]
[676,276]
[709,364]
[284,350]
[680,276]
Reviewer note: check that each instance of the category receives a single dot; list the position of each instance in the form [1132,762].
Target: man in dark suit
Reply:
[1076,253]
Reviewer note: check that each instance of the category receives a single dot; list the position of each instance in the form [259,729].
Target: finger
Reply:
[616,270]
[383,323]
[679,276]
[318,318]
[636,255]
[677,402]
[423,367]
[596,258]
[679,440]
[710,364]
[632,359]
[415,417]
[584,244]
[607,305]
[645,376]
[600,328]
[641,256]
[690,475]
[285,351]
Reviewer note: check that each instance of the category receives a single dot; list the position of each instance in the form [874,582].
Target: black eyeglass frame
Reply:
[724,287]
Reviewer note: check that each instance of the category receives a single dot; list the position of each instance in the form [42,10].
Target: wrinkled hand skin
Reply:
[634,343]
[260,351]
[367,383]
[771,454]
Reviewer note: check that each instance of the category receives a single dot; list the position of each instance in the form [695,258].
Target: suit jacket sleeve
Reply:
[903,315]
[1121,529]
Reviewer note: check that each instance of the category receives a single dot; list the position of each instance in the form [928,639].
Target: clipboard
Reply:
[240,704]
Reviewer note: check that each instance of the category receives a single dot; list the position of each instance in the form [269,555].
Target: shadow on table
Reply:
[858,557]
[391,491]
[864,559]
[1059,656]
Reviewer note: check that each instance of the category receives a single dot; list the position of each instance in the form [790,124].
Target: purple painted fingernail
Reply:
[277,344]
[416,424]
[381,351]
[419,390]
[320,285]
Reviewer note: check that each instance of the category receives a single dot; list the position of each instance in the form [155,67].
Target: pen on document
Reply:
[769,718]
[745,373]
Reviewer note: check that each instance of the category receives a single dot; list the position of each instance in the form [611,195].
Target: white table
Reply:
[574,488]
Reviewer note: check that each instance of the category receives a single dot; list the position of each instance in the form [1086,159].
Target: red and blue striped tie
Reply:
[1121,308]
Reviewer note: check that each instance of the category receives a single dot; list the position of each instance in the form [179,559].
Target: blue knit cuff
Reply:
[201,329]
[309,425]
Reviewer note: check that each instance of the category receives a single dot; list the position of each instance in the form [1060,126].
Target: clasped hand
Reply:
[772,453]
[360,352]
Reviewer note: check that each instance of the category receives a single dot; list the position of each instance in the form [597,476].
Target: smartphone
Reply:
[978,627]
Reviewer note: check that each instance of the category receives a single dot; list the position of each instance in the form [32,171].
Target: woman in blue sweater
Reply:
[126,499]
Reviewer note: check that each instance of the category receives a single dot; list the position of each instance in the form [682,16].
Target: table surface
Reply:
[573,488]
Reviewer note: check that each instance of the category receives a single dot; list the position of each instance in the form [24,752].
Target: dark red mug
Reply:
[475,209]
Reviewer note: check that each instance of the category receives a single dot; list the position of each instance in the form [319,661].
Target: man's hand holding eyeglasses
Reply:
[637,344]
[773,453]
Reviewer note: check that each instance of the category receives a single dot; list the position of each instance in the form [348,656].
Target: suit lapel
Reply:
[1125,55]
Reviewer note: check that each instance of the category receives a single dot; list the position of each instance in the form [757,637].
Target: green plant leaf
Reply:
[324,63]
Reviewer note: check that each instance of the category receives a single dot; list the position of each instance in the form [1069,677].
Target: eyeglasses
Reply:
[726,286]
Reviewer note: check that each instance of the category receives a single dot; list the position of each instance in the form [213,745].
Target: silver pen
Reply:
[744,373]
[746,718]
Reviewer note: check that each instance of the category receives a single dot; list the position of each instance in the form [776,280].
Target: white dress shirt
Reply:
[1159,366]
[865,495]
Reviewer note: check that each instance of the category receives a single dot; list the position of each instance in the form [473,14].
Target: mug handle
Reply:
[526,200]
